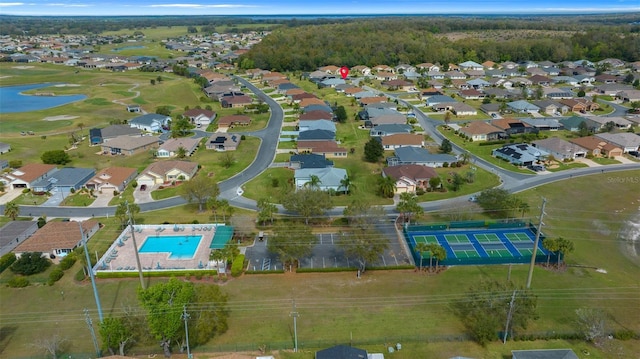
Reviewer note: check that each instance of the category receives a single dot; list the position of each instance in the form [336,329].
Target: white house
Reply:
[152,122]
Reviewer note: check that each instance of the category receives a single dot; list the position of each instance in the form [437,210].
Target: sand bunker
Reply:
[23,67]
[59,118]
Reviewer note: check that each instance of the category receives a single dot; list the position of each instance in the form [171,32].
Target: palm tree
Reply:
[226,209]
[387,186]
[551,245]
[214,205]
[465,157]
[439,253]
[12,210]
[565,247]
[218,255]
[346,184]
[314,182]
[421,248]
[523,207]
[181,152]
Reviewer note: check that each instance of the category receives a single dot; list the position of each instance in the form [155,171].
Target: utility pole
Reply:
[135,246]
[185,317]
[93,333]
[294,314]
[509,315]
[90,270]
[535,244]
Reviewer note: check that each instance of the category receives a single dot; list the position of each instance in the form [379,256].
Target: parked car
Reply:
[536,168]
[634,154]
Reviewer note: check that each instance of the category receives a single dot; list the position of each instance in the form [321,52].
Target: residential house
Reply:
[550,107]
[331,83]
[573,123]
[386,130]
[543,124]
[130,145]
[4,147]
[607,79]
[27,175]
[540,80]
[151,122]
[341,352]
[316,107]
[330,69]
[597,147]
[64,180]
[628,95]
[462,109]
[618,122]
[330,178]
[316,115]
[482,131]
[309,160]
[112,179]
[327,125]
[58,239]
[438,99]
[3,165]
[328,148]
[235,101]
[419,156]
[166,172]
[625,140]
[574,105]
[316,135]
[361,70]
[426,93]
[409,178]
[392,142]
[388,119]
[385,76]
[428,67]
[560,95]
[478,84]
[99,135]
[471,94]
[15,232]
[372,100]
[512,126]
[311,101]
[560,149]
[200,117]
[520,154]
[522,106]
[383,68]
[612,89]
[544,354]
[171,147]
[232,121]
[223,141]
[398,85]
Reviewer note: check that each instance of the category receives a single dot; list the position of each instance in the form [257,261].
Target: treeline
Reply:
[392,41]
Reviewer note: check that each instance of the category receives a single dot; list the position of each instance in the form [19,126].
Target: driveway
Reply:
[140,196]
[102,199]
[10,195]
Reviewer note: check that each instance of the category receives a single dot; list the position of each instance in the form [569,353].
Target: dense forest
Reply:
[392,41]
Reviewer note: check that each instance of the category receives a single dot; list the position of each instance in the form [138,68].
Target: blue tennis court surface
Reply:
[479,245]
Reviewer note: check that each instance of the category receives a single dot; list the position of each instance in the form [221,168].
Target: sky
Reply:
[310,7]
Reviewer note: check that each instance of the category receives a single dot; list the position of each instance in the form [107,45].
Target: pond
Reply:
[12,100]
[133,47]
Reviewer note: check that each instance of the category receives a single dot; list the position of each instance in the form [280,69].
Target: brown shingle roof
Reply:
[479,128]
[408,139]
[162,167]
[55,235]
[413,172]
[234,119]
[32,171]
[114,175]
[320,146]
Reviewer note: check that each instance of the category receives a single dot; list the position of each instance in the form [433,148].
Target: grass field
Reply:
[335,307]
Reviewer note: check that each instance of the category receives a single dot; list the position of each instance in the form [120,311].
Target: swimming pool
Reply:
[178,247]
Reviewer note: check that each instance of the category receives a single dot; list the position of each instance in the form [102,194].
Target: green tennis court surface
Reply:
[487,238]
[517,237]
[470,253]
[426,239]
[525,251]
[457,238]
[499,253]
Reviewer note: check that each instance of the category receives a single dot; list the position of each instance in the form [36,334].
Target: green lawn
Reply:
[78,199]
[605,161]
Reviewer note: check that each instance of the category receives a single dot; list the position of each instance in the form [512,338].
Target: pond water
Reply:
[12,100]
[133,47]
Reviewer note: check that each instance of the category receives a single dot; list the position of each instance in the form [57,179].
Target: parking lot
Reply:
[328,254]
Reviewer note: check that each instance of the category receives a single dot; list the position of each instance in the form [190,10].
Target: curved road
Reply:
[512,181]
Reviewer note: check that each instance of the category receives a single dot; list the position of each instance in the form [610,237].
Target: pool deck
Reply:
[121,255]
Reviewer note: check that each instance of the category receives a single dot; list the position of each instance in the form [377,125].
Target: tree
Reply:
[470,176]
[465,157]
[523,207]
[164,304]
[55,157]
[439,253]
[30,263]
[361,213]
[387,186]
[122,212]
[591,323]
[565,247]
[495,201]
[266,210]
[12,210]
[485,307]
[445,146]
[364,244]
[291,242]
[51,345]
[408,206]
[551,245]
[152,82]
[373,150]
[199,189]
[181,152]
[225,208]
[243,226]
[210,314]
[314,182]
[422,248]
[341,114]
[447,117]
[180,127]
[227,159]
[346,185]
[307,202]
[456,181]
[583,129]
[434,182]
[115,334]
[163,110]
[581,93]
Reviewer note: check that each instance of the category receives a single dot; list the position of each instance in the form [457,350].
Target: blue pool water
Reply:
[178,247]
[12,100]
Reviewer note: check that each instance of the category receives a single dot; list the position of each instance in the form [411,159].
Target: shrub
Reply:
[237,265]
[80,275]
[134,184]
[26,190]
[68,262]
[30,263]
[445,165]
[18,282]
[55,276]
[6,261]
[72,190]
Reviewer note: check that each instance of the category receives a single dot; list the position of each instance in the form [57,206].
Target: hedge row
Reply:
[175,273]
[264,272]
[6,261]
[237,266]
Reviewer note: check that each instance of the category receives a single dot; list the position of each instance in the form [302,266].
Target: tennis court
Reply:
[479,245]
